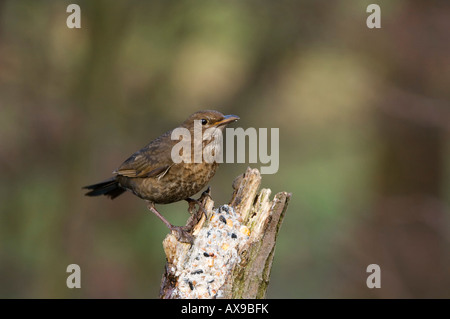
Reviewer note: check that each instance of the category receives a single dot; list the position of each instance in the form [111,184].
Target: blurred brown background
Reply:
[364,124]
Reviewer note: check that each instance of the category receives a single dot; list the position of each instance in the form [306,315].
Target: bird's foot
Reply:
[201,209]
[182,234]
[192,202]
[206,193]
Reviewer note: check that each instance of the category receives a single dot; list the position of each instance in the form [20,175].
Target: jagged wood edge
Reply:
[249,278]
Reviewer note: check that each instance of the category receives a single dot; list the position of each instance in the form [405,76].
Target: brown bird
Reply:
[152,174]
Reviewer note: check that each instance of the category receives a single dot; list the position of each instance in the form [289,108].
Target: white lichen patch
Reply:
[214,253]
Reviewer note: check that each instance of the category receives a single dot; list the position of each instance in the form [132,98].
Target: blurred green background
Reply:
[364,124]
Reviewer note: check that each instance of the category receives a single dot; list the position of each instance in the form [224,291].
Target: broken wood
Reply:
[233,249]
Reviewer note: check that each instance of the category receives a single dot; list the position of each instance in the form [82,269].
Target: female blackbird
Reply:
[152,174]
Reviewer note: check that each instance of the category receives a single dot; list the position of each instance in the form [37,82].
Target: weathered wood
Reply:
[232,254]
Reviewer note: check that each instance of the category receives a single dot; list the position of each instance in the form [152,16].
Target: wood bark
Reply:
[233,249]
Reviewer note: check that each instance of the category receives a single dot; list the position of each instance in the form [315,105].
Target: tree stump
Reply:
[233,249]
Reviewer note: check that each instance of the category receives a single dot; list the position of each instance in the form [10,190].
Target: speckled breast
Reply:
[180,182]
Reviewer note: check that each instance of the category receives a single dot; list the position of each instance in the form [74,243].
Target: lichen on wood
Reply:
[234,245]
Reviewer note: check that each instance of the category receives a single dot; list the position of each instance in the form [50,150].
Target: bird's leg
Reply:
[202,198]
[206,193]
[181,233]
[192,202]
[196,216]
[152,208]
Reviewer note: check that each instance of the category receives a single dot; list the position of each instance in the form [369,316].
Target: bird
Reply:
[164,172]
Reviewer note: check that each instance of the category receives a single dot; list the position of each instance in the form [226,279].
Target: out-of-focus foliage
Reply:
[364,126]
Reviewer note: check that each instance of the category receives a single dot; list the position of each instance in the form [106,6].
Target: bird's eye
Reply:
[204,121]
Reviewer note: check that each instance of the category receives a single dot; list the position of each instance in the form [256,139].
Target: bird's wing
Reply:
[140,166]
[152,161]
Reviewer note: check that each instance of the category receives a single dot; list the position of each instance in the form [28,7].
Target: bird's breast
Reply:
[180,182]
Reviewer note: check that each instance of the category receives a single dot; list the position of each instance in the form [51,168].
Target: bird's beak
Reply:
[227,119]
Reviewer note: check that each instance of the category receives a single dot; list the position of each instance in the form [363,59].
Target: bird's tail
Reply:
[109,187]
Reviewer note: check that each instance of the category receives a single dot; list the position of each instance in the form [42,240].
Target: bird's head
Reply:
[205,128]
[209,119]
